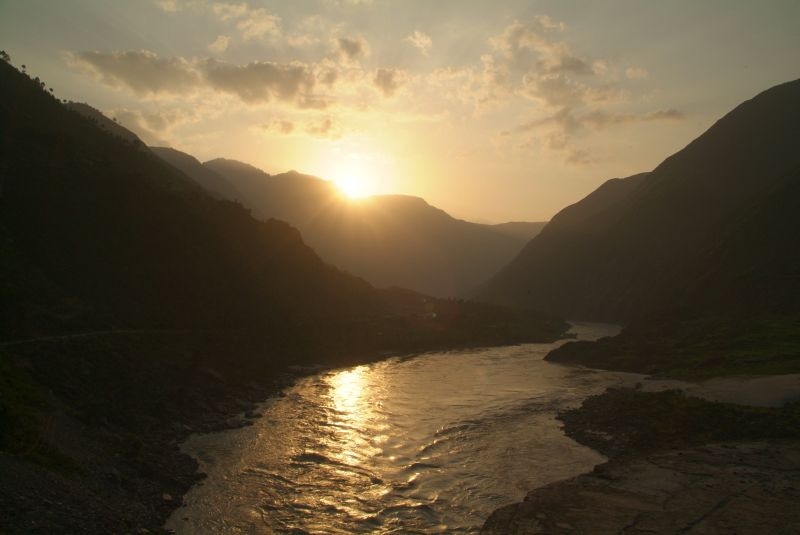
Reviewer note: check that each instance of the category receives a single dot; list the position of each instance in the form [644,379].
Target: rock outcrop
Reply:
[741,488]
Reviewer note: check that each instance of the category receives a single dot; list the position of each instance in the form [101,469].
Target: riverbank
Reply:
[91,425]
[677,464]
[737,488]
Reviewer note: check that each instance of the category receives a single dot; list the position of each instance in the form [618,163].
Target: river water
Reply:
[429,444]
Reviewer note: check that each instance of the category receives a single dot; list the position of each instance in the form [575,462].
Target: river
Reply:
[426,444]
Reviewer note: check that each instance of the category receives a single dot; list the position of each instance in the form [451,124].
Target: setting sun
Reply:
[353,186]
[354,174]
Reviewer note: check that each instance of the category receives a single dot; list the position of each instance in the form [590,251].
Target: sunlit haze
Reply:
[496,111]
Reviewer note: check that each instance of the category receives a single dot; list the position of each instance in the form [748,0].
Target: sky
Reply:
[496,111]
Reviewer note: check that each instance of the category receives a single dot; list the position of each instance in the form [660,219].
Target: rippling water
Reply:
[429,444]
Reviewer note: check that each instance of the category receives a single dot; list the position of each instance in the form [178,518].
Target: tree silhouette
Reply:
[4,56]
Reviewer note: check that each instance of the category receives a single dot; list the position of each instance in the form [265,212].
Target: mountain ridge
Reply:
[390,240]
[633,256]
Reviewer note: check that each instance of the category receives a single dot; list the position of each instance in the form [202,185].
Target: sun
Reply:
[352,185]
[353,180]
[356,173]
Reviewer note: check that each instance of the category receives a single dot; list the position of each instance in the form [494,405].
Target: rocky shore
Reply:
[104,417]
[742,487]
[678,464]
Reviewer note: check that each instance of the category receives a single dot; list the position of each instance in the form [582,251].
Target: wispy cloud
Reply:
[220,44]
[252,23]
[421,41]
[636,73]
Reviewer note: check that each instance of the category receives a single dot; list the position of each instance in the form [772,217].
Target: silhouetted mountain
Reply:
[391,240]
[212,182]
[114,232]
[710,228]
[97,233]
[109,125]
[524,230]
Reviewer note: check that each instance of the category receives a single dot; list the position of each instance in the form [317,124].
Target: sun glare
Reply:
[353,186]
[354,173]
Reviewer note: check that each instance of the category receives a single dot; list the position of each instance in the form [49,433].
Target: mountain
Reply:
[99,119]
[96,233]
[710,228]
[524,230]
[212,182]
[390,240]
[96,226]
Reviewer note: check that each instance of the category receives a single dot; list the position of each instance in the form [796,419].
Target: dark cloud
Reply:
[352,49]
[259,82]
[388,81]
[143,72]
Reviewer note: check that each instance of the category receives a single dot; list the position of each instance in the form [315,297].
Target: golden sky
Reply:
[492,111]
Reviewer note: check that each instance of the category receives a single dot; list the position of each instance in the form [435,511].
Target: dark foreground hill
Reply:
[390,240]
[711,227]
[136,308]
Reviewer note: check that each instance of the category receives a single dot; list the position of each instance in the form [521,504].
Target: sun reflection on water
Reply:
[353,418]
[347,387]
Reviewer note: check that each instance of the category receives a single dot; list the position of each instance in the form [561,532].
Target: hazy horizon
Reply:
[521,108]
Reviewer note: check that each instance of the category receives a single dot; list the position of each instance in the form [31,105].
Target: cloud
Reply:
[601,119]
[636,73]
[170,6]
[260,82]
[146,74]
[154,127]
[220,44]
[568,121]
[579,157]
[312,30]
[665,115]
[344,3]
[143,72]
[253,23]
[351,49]
[229,11]
[532,44]
[280,126]
[321,127]
[421,41]
[560,128]
[388,81]
[325,127]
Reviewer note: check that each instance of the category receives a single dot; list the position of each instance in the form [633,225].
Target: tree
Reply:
[4,56]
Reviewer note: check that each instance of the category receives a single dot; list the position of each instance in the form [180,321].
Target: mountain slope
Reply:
[525,230]
[110,126]
[649,248]
[117,232]
[391,240]
[212,182]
